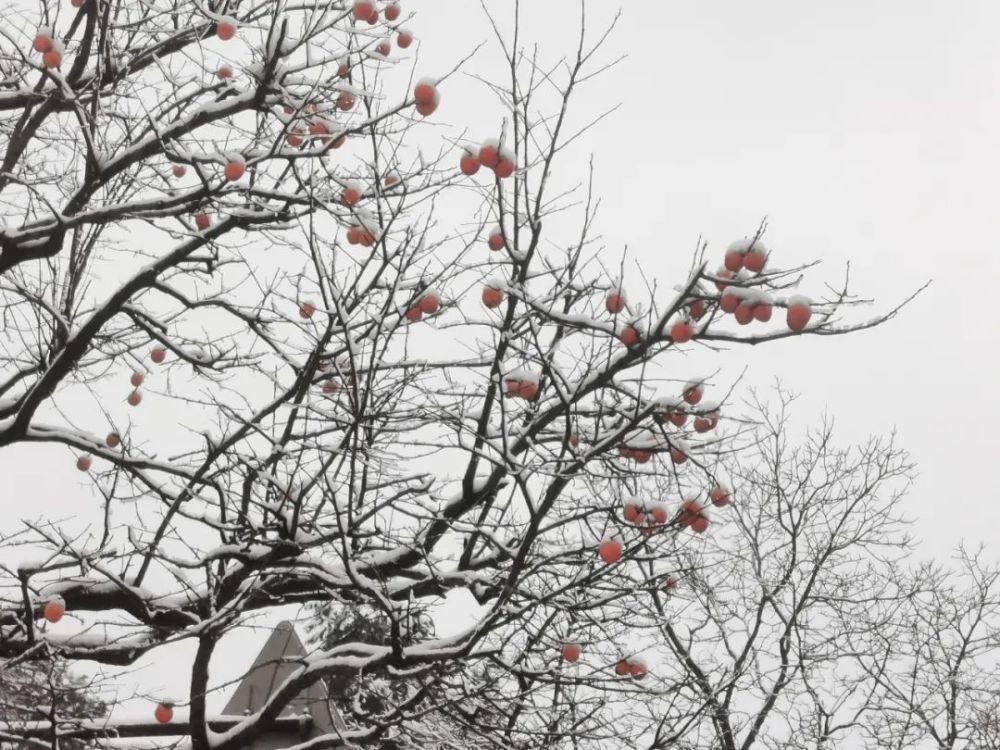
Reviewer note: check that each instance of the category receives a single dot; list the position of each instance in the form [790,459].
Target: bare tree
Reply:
[755,632]
[45,691]
[227,211]
[933,658]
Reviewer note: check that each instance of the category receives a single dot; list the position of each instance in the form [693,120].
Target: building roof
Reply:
[280,656]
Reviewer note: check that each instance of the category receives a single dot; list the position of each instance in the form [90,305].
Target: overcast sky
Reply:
[862,131]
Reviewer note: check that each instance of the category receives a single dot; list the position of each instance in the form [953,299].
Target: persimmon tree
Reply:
[231,301]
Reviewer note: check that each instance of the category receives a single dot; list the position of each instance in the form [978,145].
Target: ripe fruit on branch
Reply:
[489,153]
[384,47]
[522,384]
[799,312]
[529,390]
[43,41]
[224,72]
[235,168]
[363,9]
[669,409]
[719,496]
[677,417]
[83,462]
[307,310]
[615,302]
[225,29]
[496,241]
[762,311]
[706,422]
[404,39]
[743,314]
[426,95]
[699,525]
[681,332]
[392,11]
[505,164]
[638,445]
[622,668]
[134,398]
[492,297]
[391,179]
[426,110]
[358,235]
[137,378]
[178,170]
[659,514]
[113,440]
[201,221]
[750,254]
[693,392]
[638,670]
[345,101]
[430,303]
[611,551]
[755,260]
[630,511]
[670,583]
[677,455]
[158,354]
[414,314]
[690,510]
[696,309]
[730,299]
[352,194]
[54,610]
[571,652]
[469,163]
[734,261]
[52,57]
[629,336]
[164,713]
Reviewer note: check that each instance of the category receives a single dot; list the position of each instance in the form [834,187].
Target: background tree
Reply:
[758,629]
[228,295]
[932,659]
[45,690]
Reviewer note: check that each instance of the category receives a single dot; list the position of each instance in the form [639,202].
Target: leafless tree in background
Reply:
[759,638]
[44,691]
[230,298]
[932,659]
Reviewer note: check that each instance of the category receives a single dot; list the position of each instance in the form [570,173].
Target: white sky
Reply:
[862,131]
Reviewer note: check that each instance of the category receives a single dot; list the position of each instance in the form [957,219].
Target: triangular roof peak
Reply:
[280,656]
